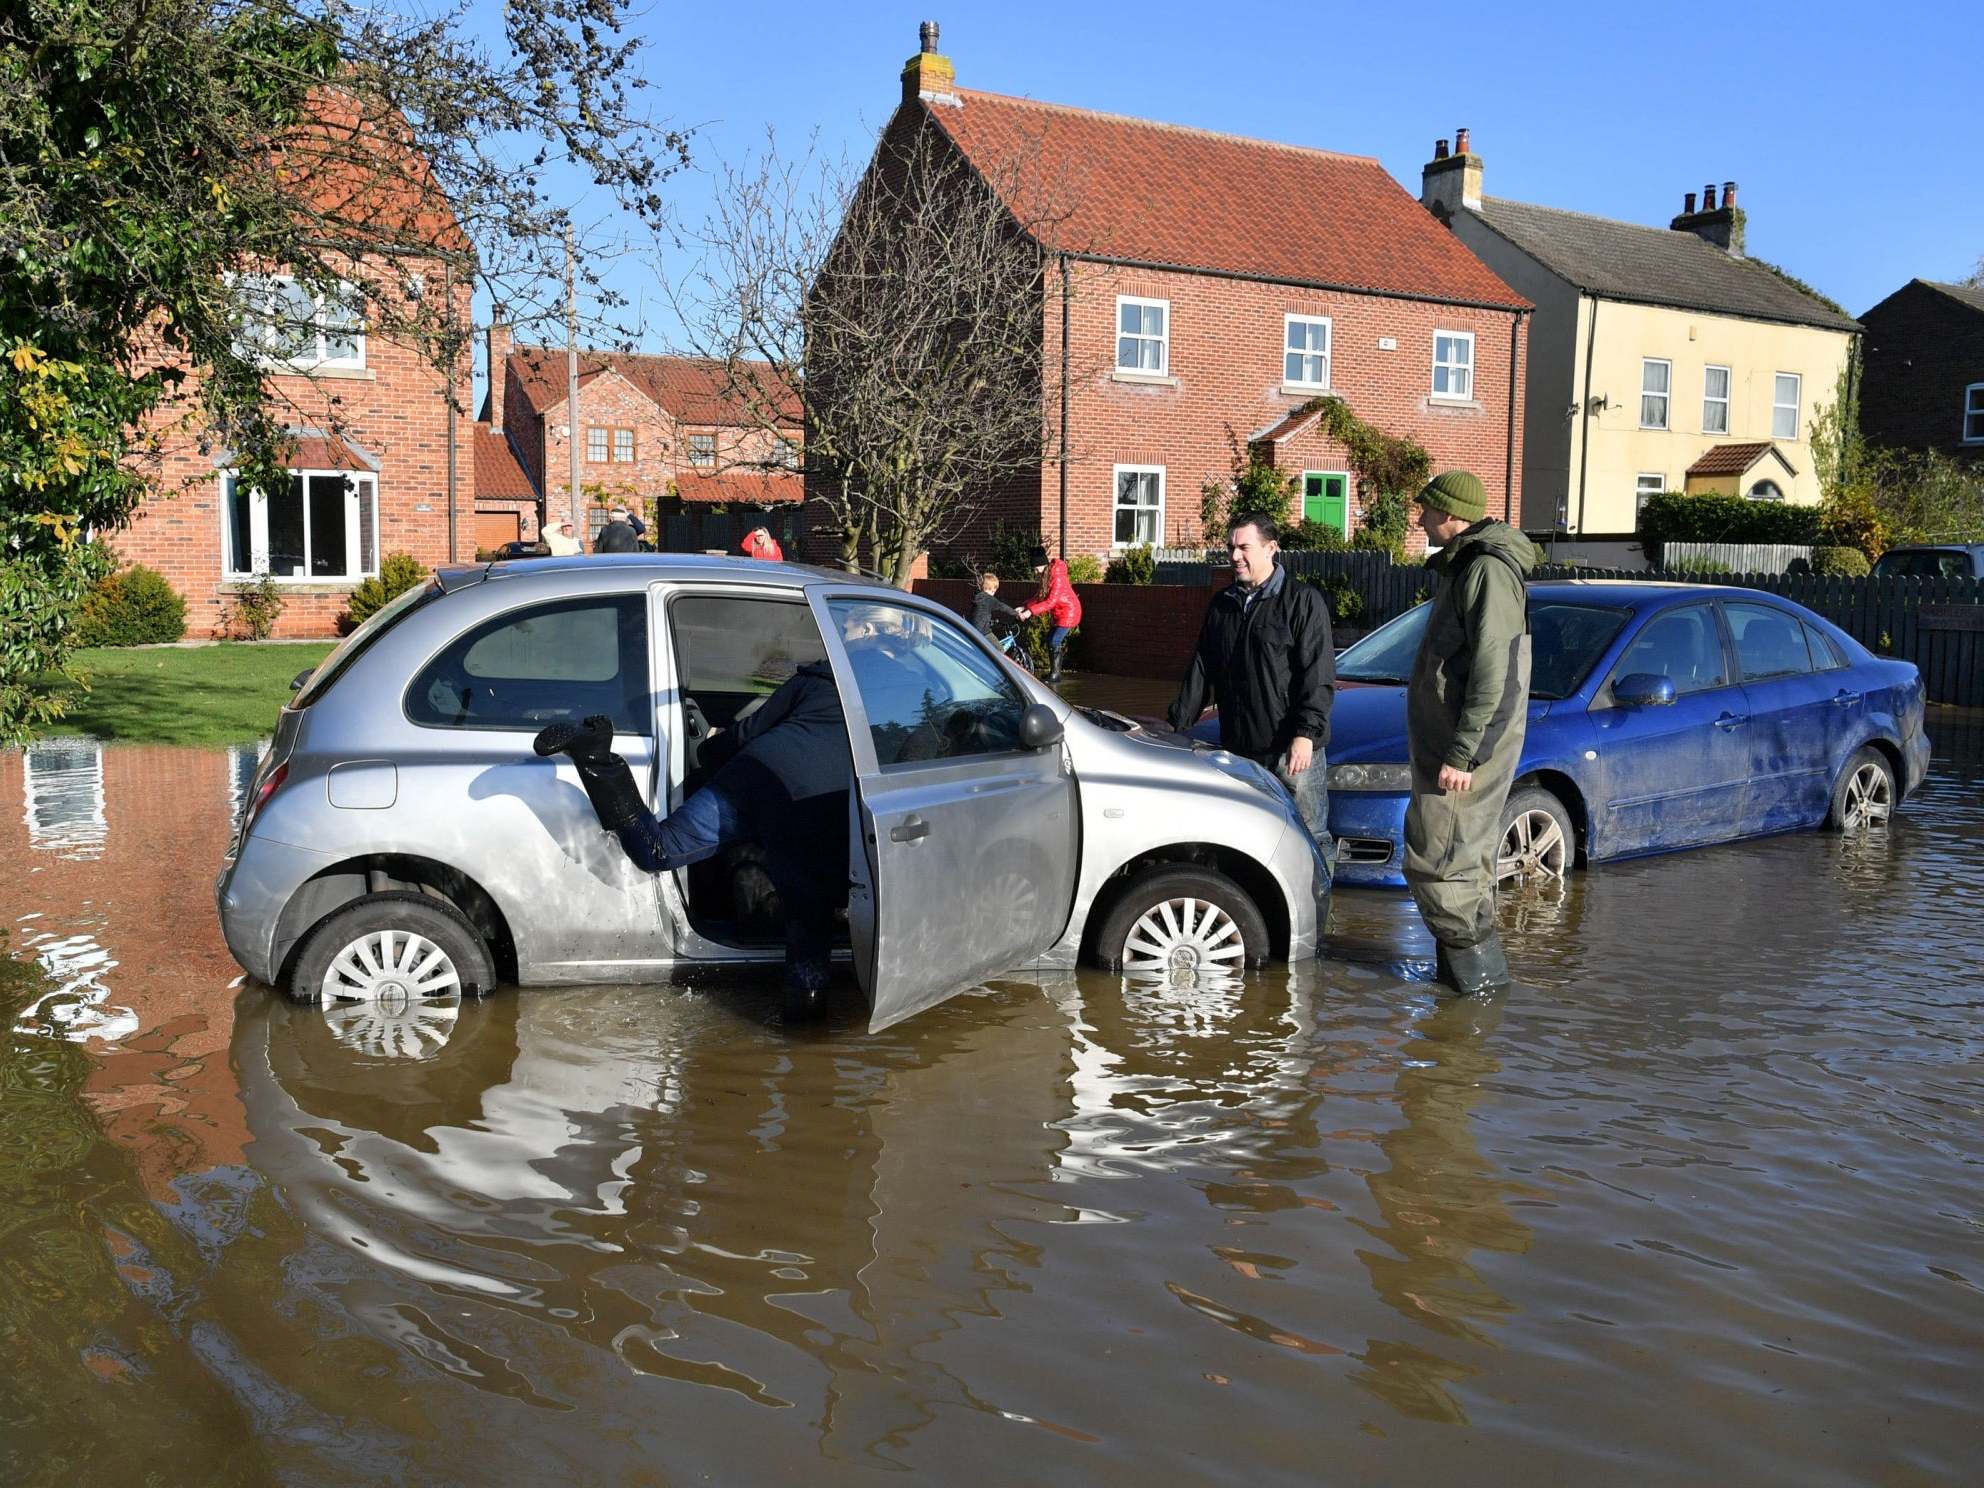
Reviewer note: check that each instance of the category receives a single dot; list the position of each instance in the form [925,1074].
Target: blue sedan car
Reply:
[1661,716]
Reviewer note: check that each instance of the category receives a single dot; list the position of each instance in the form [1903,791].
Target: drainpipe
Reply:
[448,392]
[1509,456]
[1584,439]
[1063,462]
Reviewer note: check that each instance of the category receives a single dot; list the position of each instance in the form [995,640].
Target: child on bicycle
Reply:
[987,609]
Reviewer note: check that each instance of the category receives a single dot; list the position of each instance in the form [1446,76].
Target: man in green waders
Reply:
[1466,711]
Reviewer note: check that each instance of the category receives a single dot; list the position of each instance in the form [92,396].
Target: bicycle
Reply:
[1015,652]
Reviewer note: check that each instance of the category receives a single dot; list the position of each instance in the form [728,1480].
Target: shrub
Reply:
[1674,516]
[398,573]
[1136,565]
[1699,568]
[1387,520]
[1346,600]
[1314,537]
[132,607]
[257,607]
[1847,563]
[1085,568]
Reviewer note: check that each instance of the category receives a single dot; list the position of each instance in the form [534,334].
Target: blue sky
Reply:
[1852,130]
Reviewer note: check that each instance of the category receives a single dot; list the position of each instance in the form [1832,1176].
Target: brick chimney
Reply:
[498,341]
[929,75]
[1447,183]
[1721,225]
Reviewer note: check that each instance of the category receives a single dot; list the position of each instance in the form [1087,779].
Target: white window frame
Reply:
[361,486]
[1116,474]
[1665,395]
[1709,400]
[321,361]
[700,458]
[1466,394]
[1162,340]
[1641,492]
[1973,410]
[1777,407]
[1305,356]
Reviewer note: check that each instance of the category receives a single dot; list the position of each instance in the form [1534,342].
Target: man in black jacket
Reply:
[1265,655]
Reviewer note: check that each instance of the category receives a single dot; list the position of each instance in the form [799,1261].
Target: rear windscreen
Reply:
[355,645]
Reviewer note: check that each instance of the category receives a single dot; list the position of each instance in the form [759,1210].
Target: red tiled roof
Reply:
[1167,195]
[692,390]
[741,487]
[313,451]
[1734,459]
[498,476]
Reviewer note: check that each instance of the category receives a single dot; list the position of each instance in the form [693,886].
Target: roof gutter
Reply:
[1505,307]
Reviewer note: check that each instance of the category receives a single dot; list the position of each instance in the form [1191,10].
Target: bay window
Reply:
[323,529]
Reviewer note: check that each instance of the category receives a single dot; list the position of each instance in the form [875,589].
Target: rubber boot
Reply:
[608,783]
[806,982]
[1054,673]
[1469,970]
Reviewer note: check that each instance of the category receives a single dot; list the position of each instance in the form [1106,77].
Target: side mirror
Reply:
[1643,690]
[1039,728]
[296,682]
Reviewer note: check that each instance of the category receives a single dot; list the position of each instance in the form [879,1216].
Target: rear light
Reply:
[267,789]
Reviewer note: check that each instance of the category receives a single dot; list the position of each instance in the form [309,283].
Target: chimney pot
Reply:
[1688,204]
[926,35]
[1728,194]
[1708,197]
[1439,149]
[1460,140]
[498,347]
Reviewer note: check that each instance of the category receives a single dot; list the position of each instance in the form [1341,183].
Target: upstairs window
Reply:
[1973,413]
[1715,400]
[1143,335]
[1656,377]
[702,449]
[1305,361]
[1453,365]
[285,324]
[623,446]
[1784,406]
[596,444]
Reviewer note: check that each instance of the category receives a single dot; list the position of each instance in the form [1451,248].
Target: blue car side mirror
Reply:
[1643,690]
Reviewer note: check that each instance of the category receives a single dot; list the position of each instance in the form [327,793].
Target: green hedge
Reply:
[133,607]
[1136,565]
[1675,516]
[1849,563]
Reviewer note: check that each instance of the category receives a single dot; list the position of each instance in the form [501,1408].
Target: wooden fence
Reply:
[1936,623]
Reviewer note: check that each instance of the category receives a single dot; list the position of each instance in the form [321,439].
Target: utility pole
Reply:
[572,431]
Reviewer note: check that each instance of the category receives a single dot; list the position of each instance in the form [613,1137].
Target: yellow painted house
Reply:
[1660,358]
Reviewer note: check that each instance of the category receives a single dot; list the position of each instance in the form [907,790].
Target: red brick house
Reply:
[659,432]
[1923,386]
[1214,286]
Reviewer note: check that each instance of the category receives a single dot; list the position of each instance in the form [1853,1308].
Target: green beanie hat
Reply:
[1458,494]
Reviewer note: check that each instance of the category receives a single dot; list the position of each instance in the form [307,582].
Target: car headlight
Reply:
[1370,777]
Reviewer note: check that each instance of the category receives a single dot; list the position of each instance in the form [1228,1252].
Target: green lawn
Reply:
[225,694]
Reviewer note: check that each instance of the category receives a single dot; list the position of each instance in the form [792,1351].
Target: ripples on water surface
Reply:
[1700,1201]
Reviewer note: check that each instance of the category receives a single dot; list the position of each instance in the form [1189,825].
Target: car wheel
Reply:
[1182,919]
[1538,840]
[1865,794]
[395,949]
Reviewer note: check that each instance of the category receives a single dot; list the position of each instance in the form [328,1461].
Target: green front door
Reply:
[1326,498]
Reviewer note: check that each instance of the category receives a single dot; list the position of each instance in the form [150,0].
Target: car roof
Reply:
[1635,594]
[664,566]
[1940,547]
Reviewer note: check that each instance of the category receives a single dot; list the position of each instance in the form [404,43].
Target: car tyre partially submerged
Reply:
[395,949]
[1182,919]
[1865,794]
[1539,841]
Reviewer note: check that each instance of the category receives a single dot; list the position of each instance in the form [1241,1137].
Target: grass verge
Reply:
[225,694]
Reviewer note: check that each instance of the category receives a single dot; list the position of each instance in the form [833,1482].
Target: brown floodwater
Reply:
[1701,1200]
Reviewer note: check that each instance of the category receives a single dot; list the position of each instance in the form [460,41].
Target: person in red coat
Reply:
[1057,599]
[759,543]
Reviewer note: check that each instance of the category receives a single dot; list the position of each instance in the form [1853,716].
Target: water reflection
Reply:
[62,797]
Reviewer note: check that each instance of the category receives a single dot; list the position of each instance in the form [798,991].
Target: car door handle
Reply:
[913,830]
[1731,721]
[1845,699]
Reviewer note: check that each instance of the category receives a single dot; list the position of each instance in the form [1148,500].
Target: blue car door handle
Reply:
[1729,721]
[1845,699]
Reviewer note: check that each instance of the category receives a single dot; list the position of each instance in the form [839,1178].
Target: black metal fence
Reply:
[1936,623]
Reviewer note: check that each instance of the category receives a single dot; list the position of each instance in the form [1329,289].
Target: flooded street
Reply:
[1701,1200]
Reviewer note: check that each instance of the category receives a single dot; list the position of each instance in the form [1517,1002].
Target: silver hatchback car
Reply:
[403,841]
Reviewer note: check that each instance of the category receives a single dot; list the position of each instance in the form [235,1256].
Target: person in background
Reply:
[618,535]
[987,609]
[1265,654]
[759,543]
[1057,598]
[1466,711]
[558,539]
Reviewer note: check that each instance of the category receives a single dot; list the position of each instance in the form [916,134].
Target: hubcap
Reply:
[392,968]
[1533,847]
[1182,935]
[1869,799]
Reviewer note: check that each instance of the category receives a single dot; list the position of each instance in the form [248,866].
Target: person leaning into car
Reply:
[1466,711]
[1265,655]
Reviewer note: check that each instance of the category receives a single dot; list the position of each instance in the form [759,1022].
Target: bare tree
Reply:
[906,309]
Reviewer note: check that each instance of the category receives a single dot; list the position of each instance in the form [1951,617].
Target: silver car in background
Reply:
[403,841]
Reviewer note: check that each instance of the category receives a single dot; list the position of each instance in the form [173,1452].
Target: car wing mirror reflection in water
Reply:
[1039,728]
[1643,690]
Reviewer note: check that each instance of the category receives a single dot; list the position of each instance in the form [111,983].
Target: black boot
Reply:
[1054,672]
[1469,970]
[806,982]
[608,783]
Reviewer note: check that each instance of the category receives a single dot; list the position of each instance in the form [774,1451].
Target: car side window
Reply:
[1769,642]
[928,691]
[541,665]
[1682,645]
[1826,656]
[733,650]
